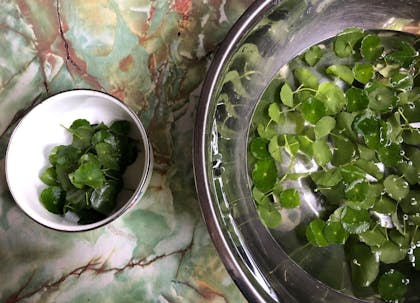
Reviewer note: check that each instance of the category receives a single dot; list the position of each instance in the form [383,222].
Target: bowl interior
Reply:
[269,35]
[44,127]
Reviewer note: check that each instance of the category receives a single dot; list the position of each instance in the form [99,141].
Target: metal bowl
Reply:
[265,38]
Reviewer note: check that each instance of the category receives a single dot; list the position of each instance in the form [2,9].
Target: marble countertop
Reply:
[153,56]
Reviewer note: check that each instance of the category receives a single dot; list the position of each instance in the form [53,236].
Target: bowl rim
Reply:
[140,188]
[245,22]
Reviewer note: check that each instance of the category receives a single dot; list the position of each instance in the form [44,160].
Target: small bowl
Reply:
[43,127]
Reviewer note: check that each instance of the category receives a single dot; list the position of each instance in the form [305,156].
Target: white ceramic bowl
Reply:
[42,129]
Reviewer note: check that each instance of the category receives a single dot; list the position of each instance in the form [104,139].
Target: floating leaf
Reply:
[410,204]
[332,97]
[375,237]
[335,233]
[327,178]
[370,167]
[402,81]
[390,155]
[371,47]
[269,215]
[390,253]
[306,77]
[392,286]
[357,99]
[404,56]
[344,150]
[381,98]
[396,187]
[275,113]
[259,148]
[341,71]
[289,198]
[315,234]
[363,72]
[385,205]
[322,152]
[313,109]
[313,55]
[264,174]
[357,191]
[291,144]
[345,41]
[274,149]
[305,145]
[351,173]
[355,221]
[324,126]
[286,95]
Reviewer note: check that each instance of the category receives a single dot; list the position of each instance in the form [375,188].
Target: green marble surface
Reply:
[153,56]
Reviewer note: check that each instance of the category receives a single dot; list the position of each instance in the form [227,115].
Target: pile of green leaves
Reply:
[85,177]
[355,120]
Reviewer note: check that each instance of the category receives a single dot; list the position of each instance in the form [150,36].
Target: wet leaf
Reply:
[381,98]
[355,221]
[264,175]
[313,55]
[49,176]
[364,265]
[396,187]
[371,47]
[335,233]
[343,150]
[259,148]
[286,95]
[357,99]
[322,152]
[332,97]
[404,56]
[392,286]
[326,178]
[324,126]
[274,149]
[53,198]
[346,41]
[390,253]
[315,234]
[289,198]
[363,72]
[306,77]
[341,71]
[313,109]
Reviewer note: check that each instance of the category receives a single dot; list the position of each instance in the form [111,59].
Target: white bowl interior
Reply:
[44,127]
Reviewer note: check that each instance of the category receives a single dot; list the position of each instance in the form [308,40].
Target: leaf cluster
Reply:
[356,121]
[85,177]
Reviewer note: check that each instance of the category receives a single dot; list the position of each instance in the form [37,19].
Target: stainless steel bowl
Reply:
[266,37]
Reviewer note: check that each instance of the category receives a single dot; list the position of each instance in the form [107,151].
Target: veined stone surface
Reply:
[152,55]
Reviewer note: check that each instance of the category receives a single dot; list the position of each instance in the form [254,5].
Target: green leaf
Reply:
[108,156]
[396,187]
[411,136]
[305,145]
[402,80]
[382,98]
[88,174]
[313,109]
[375,237]
[410,204]
[53,198]
[259,196]
[332,97]
[404,56]
[357,191]
[49,176]
[324,126]
[275,113]
[274,149]
[335,233]
[390,253]
[315,234]
[66,156]
[344,150]
[364,265]
[363,72]
[341,71]
[385,205]
[120,127]
[313,55]
[367,126]
[269,215]
[289,198]
[390,155]
[345,41]
[82,134]
[326,178]
[286,95]
[392,286]
[351,173]
[291,144]
[370,167]
[355,221]
[306,77]
[371,47]
[103,199]
[344,124]
[264,174]
[322,152]
[259,148]
[357,99]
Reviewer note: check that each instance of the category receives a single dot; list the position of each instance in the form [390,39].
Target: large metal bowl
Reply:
[265,38]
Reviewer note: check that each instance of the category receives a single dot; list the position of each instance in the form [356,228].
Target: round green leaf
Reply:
[390,253]
[275,113]
[402,81]
[274,149]
[357,99]
[364,264]
[264,174]
[390,155]
[53,199]
[396,187]
[315,234]
[289,198]
[313,55]
[355,221]
[344,150]
[49,176]
[332,97]
[306,77]
[404,56]
[381,98]
[335,233]
[324,126]
[363,72]
[385,205]
[269,215]
[88,174]
[341,71]
[322,152]
[392,286]
[371,47]
[286,95]
[259,148]
[345,41]
[326,178]
[375,237]
[313,109]
[357,191]
[352,173]
[410,204]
